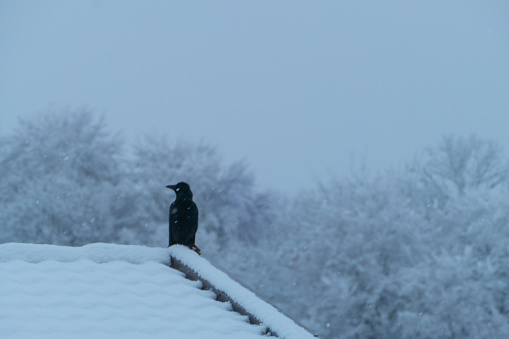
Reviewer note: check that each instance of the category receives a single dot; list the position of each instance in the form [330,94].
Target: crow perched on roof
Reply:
[183,217]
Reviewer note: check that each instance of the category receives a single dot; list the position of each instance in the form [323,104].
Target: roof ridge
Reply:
[227,289]
[242,299]
[96,252]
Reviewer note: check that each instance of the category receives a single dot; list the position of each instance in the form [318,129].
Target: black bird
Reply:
[183,217]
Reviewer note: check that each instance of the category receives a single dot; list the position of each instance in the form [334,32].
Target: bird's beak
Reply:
[172,187]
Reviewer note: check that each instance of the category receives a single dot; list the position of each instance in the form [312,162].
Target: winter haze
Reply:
[301,90]
[306,93]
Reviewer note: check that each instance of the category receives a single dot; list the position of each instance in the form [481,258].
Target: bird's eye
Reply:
[178,189]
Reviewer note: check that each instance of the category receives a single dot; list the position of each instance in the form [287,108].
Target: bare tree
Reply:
[458,165]
[58,174]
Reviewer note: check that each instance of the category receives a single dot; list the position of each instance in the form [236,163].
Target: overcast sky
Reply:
[300,89]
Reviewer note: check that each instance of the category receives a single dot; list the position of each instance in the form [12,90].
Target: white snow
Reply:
[98,253]
[114,291]
[266,313]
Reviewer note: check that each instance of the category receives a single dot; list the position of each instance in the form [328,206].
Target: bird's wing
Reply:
[195,217]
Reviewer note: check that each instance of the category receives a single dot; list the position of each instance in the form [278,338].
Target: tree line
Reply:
[419,252]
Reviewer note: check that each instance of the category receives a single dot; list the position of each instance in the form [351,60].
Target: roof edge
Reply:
[220,295]
[260,312]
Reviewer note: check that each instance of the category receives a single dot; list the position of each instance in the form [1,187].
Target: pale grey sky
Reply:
[300,89]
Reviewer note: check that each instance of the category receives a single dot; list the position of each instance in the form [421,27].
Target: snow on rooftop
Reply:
[267,314]
[115,291]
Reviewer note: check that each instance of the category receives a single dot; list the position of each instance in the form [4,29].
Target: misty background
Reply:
[349,159]
[300,90]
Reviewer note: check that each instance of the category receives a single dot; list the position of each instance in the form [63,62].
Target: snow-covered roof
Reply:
[119,291]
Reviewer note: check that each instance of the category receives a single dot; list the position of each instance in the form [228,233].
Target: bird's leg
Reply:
[196,249]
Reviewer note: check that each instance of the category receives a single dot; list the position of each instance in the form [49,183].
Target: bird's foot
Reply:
[196,249]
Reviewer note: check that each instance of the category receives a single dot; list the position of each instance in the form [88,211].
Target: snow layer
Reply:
[113,291]
[266,313]
[98,253]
